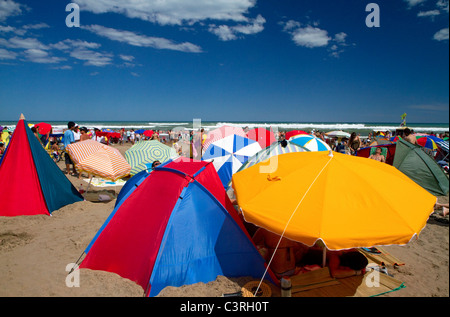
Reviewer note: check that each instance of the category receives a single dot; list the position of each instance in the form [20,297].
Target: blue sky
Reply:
[225,60]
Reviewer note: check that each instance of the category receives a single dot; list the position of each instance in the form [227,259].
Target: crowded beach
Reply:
[417,266]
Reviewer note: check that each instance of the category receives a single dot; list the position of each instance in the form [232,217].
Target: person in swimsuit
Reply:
[378,156]
[283,262]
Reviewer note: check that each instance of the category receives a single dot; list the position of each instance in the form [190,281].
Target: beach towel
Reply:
[355,286]
[312,280]
[100,182]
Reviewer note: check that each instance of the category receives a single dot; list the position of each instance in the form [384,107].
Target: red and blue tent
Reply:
[31,183]
[174,226]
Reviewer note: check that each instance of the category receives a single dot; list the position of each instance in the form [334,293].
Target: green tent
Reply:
[420,167]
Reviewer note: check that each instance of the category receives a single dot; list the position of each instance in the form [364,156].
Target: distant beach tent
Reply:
[31,183]
[99,159]
[311,143]
[421,168]
[175,226]
[228,155]
[141,155]
[263,136]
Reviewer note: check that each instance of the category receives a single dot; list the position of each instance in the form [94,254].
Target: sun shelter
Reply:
[421,168]
[31,182]
[99,159]
[229,154]
[144,153]
[387,150]
[342,200]
[175,226]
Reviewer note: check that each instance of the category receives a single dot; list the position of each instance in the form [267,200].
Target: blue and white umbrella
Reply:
[228,155]
[311,143]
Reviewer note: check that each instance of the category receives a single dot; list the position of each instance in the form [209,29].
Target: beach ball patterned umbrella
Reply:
[271,151]
[301,200]
[395,138]
[292,134]
[311,143]
[426,142]
[221,133]
[99,159]
[229,154]
[141,155]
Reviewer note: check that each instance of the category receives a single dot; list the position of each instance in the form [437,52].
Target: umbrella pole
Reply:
[90,180]
[324,256]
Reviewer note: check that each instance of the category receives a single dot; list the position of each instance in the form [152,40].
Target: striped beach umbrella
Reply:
[311,143]
[141,155]
[229,153]
[271,151]
[99,159]
[263,136]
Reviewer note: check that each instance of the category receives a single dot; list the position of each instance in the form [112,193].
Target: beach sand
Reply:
[36,253]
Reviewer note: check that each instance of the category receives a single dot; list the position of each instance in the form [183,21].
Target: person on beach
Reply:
[84,134]
[408,136]
[69,139]
[342,264]
[378,156]
[354,143]
[2,149]
[155,164]
[283,262]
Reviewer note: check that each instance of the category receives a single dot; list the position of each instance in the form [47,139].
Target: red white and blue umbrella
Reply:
[229,154]
[311,143]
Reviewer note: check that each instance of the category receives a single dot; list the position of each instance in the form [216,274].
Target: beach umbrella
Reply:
[395,138]
[148,133]
[426,142]
[141,155]
[263,136]
[221,133]
[338,134]
[99,159]
[294,133]
[311,143]
[176,226]
[229,153]
[275,149]
[108,130]
[340,200]
[140,131]
[44,128]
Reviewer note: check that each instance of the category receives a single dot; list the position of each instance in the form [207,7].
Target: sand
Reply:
[36,253]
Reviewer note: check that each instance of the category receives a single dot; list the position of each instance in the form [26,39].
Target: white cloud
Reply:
[41,56]
[310,37]
[92,58]
[127,58]
[430,13]
[9,8]
[441,35]
[227,33]
[5,54]
[443,5]
[172,12]
[340,37]
[413,3]
[142,40]
[23,43]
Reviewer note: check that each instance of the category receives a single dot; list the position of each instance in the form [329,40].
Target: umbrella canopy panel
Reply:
[144,153]
[342,200]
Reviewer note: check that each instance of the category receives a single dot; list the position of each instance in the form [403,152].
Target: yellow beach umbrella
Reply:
[343,200]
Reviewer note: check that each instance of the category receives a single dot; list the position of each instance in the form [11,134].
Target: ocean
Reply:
[361,128]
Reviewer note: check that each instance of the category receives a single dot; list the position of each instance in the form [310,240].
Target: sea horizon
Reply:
[362,128]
